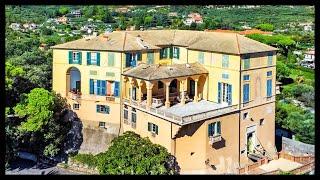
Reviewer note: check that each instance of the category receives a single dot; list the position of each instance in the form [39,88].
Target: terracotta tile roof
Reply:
[157,72]
[220,42]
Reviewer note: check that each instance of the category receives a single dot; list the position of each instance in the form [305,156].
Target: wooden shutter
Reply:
[245,93]
[98,59]
[98,87]
[218,127]
[210,129]
[219,92]
[107,109]
[229,94]
[110,59]
[91,86]
[98,108]
[149,126]
[80,58]
[139,58]
[88,58]
[116,89]
[70,57]
[128,59]
[103,87]
[156,129]
[178,53]
[171,52]
[269,87]
[161,53]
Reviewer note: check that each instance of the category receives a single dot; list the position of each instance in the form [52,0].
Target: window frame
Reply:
[269,73]
[244,77]
[175,52]
[93,61]
[104,124]
[214,129]
[225,61]
[73,106]
[75,57]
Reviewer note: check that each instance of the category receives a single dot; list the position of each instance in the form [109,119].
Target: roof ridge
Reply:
[124,40]
[238,46]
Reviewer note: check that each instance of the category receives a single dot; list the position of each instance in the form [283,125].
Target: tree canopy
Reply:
[131,154]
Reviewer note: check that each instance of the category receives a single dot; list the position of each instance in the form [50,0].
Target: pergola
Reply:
[147,75]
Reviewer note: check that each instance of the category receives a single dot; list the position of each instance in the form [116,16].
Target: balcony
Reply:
[74,95]
[184,114]
[214,139]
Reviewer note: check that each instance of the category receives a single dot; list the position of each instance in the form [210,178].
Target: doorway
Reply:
[251,142]
[192,88]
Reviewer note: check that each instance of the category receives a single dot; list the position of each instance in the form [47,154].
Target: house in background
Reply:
[62,20]
[309,58]
[193,18]
[76,13]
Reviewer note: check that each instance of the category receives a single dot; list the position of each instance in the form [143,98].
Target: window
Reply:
[245,115]
[102,124]
[133,115]
[224,93]
[110,59]
[225,76]
[176,52]
[246,63]
[246,95]
[160,84]
[98,87]
[270,57]
[201,57]
[76,106]
[261,122]
[132,58]
[93,58]
[212,59]
[246,77]
[225,61]
[269,87]
[103,109]
[214,129]
[150,58]
[153,128]
[74,57]
[164,53]
[125,112]
[269,73]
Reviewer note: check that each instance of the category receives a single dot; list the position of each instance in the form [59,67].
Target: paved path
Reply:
[283,164]
[26,167]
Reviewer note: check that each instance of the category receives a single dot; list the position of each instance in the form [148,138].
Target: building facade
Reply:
[208,97]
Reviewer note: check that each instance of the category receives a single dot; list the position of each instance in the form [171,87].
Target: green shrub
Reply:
[88,159]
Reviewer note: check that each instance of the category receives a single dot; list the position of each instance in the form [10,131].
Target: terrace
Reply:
[174,93]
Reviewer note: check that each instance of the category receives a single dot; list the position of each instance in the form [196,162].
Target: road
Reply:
[26,167]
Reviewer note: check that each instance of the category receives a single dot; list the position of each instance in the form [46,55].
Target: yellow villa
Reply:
[208,97]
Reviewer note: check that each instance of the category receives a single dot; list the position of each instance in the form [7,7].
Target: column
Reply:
[183,82]
[196,96]
[167,103]
[149,94]
[139,91]
[124,91]
[131,86]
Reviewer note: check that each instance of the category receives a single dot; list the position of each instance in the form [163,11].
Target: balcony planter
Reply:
[214,139]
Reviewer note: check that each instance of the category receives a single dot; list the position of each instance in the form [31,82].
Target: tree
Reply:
[131,154]
[12,72]
[265,27]
[282,71]
[63,10]
[43,126]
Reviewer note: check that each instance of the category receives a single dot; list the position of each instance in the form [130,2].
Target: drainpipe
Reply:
[239,109]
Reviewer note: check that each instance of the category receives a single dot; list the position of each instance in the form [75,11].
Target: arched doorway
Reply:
[73,80]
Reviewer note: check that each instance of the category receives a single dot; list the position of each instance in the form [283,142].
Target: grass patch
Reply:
[88,159]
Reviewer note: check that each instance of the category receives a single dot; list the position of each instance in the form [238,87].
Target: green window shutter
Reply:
[165,53]
[219,127]
[156,129]
[161,53]
[210,129]
[246,63]
[88,58]
[80,58]
[70,57]
[139,56]
[107,109]
[178,53]
[98,108]
[110,59]
[171,52]
[149,126]
[98,59]
[150,58]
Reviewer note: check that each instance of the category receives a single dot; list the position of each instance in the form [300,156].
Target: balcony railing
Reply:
[181,119]
[110,98]
[214,139]
[74,95]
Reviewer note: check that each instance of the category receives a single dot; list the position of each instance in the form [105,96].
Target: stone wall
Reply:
[296,148]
